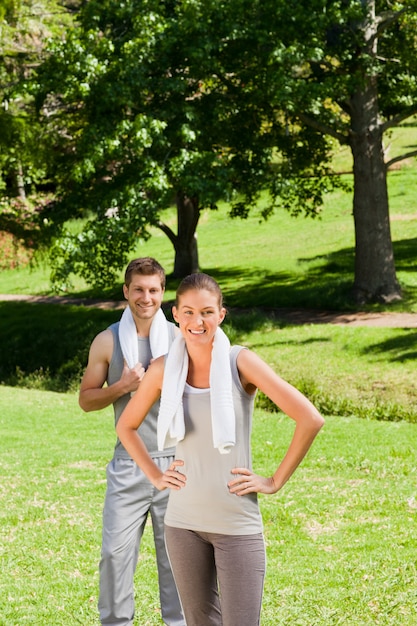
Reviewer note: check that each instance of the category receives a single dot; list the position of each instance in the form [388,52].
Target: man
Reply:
[119,356]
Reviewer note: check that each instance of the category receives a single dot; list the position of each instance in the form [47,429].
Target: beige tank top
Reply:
[205,503]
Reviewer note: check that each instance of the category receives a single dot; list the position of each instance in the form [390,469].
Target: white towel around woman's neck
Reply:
[171,427]
[128,337]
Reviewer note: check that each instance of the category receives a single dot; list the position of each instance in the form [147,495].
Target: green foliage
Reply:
[328,44]
[24,30]
[141,101]
[25,186]
[91,253]
[155,103]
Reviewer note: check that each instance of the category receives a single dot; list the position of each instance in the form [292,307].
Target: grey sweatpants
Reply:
[220,578]
[130,498]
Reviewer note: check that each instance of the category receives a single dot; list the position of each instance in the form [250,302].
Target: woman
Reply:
[213,527]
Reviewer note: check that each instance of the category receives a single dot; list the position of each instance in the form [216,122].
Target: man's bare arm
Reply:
[94,393]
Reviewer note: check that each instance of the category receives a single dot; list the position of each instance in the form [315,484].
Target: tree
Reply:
[148,121]
[24,28]
[150,102]
[351,75]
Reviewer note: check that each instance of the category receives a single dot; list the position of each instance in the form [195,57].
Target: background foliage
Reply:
[122,110]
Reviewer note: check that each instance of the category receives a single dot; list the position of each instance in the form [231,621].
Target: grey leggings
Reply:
[219,577]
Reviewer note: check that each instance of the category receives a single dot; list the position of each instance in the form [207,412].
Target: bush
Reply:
[13,253]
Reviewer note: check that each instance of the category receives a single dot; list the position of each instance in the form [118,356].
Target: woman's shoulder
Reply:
[242,352]
[155,371]
[241,362]
[235,350]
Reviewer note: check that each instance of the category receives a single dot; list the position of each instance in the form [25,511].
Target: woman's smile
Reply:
[198,314]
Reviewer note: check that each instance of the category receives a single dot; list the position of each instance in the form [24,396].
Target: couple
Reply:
[193,446]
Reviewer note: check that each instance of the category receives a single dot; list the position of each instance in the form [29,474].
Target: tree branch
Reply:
[397,119]
[384,21]
[386,18]
[323,128]
[168,232]
[401,157]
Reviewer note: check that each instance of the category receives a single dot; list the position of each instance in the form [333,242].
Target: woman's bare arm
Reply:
[132,417]
[255,373]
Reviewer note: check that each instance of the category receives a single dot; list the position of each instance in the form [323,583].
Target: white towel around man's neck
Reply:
[128,337]
[171,428]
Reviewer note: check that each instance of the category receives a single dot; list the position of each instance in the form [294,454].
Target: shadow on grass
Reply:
[326,284]
[46,345]
[55,339]
[47,341]
[323,282]
[259,345]
[397,349]
[405,255]
[321,287]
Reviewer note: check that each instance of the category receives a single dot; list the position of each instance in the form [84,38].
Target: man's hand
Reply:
[131,377]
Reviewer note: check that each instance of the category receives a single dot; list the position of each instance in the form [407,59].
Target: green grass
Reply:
[340,536]
[361,371]
[366,372]
[284,262]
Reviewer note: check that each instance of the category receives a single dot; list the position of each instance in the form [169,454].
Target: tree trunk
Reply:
[185,243]
[375,277]
[20,183]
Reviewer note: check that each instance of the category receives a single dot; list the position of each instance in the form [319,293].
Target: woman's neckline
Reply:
[189,387]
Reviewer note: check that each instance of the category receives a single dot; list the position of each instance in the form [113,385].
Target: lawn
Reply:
[283,262]
[340,536]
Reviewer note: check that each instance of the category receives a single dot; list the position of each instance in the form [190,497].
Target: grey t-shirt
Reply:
[147,429]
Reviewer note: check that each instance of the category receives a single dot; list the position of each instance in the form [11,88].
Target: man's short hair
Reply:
[147,266]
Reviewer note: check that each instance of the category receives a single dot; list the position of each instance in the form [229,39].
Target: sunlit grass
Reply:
[285,261]
[340,536]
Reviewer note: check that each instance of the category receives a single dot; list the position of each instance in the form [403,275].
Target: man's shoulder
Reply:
[114,326]
[102,345]
[107,334]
